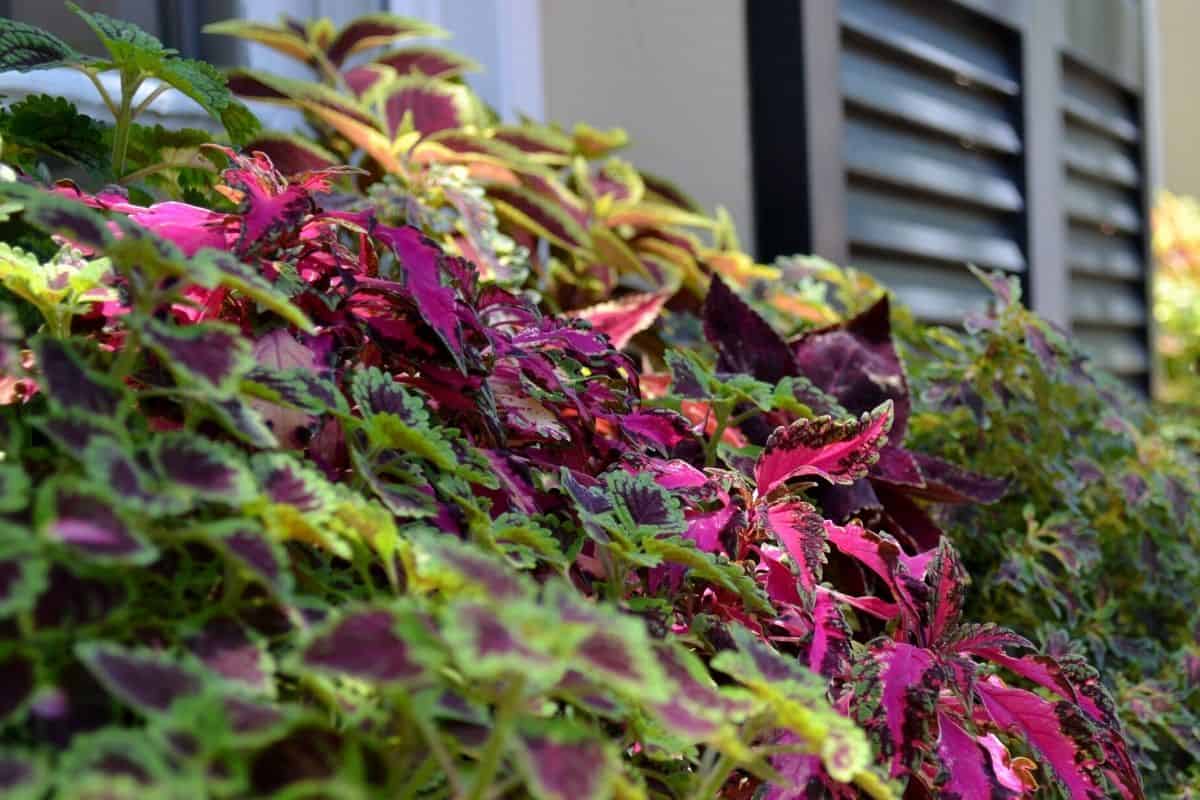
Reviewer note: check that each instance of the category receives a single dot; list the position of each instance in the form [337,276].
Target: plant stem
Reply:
[710,450]
[419,778]
[104,96]
[124,121]
[142,106]
[436,747]
[493,751]
[715,778]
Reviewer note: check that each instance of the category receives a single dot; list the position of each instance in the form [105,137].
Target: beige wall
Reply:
[673,74]
[1179,94]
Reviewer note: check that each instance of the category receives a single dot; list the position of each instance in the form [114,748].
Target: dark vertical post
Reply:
[797,130]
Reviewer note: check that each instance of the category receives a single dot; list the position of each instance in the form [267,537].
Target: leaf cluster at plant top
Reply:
[310,486]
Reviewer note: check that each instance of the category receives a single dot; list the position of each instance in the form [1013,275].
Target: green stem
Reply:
[142,106]
[104,95]
[124,122]
[716,777]
[493,751]
[710,450]
[128,356]
[436,747]
[419,778]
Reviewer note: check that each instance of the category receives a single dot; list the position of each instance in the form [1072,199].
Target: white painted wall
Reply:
[671,72]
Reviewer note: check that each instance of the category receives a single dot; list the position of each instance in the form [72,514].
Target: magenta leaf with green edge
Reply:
[488,574]
[202,467]
[1057,731]
[487,644]
[83,517]
[225,647]
[56,215]
[209,354]
[73,386]
[829,648]
[284,480]
[253,552]
[801,530]
[745,342]
[420,261]
[110,465]
[625,317]
[641,507]
[839,451]
[896,694]
[562,766]
[241,419]
[292,154]
[376,30]
[429,61]
[968,766]
[247,717]
[148,681]
[947,580]
[390,645]
[432,105]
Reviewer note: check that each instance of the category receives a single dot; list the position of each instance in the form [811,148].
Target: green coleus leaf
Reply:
[710,567]
[22,570]
[73,385]
[23,775]
[24,47]
[566,762]
[139,55]
[51,126]
[397,419]
[253,552]
[798,699]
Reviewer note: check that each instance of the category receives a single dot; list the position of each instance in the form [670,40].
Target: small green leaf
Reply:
[24,47]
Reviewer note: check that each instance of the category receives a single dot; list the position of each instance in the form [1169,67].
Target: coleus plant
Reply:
[590,225]
[284,484]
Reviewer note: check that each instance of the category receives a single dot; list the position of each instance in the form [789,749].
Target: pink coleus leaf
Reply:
[625,317]
[839,451]
[829,650]
[1057,731]
[947,581]
[882,554]
[421,267]
[969,766]
[799,528]
[896,693]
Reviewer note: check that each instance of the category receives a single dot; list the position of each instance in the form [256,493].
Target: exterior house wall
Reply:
[1179,101]
[671,72]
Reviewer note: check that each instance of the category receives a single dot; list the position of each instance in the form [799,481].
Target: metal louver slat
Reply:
[1105,224]
[932,150]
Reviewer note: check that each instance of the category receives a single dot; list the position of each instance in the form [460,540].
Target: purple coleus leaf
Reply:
[149,682]
[837,451]
[202,467]
[375,30]
[561,766]
[21,775]
[856,362]
[17,681]
[213,355]
[744,341]
[253,552]
[71,384]
[86,520]
[225,647]
[385,645]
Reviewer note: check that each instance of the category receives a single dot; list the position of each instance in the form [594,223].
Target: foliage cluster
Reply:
[1177,311]
[310,486]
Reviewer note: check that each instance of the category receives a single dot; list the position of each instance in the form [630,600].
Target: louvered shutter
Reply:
[1105,221]
[933,150]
